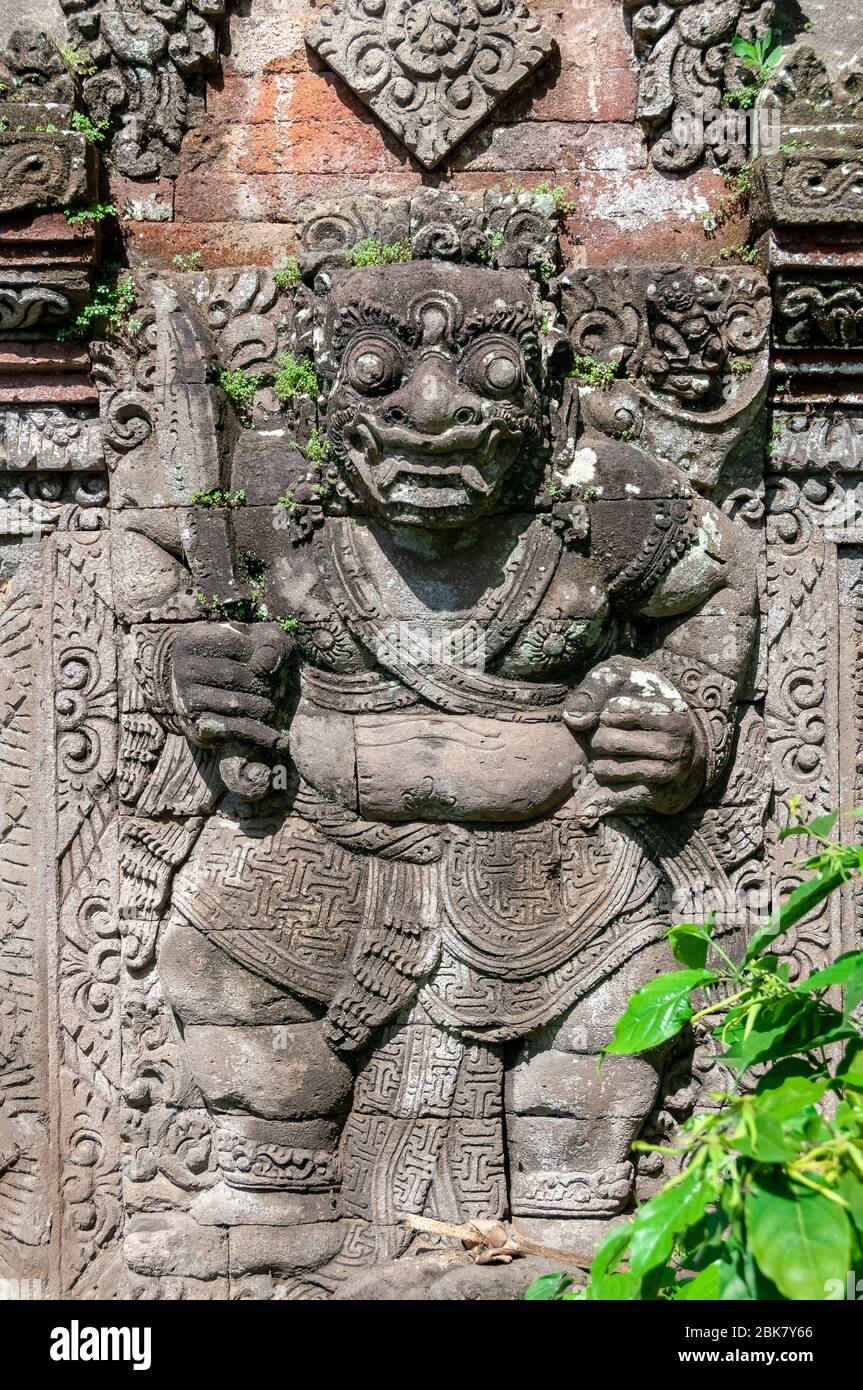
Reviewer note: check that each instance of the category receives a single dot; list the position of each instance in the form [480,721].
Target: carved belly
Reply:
[423,766]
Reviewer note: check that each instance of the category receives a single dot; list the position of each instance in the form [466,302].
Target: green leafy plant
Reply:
[92,131]
[590,372]
[740,366]
[746,255]
[241,386]
[77,217]
[488,255]
[109,308]
[742,97]
[734,202]
[218,497]
[186,261]
[76,60]
[560,196]
[242,610]
[318,448]
[768,1201]
[759,60]
[758,56]
[295,377]
[289,274]
[369,251]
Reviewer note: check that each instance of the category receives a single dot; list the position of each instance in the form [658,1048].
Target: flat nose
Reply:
[432,401]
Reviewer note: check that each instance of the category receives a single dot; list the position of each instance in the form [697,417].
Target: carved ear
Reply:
[196,431]
[562,391]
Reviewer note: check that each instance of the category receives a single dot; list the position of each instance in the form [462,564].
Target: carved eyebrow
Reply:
[369,314]
[515,320]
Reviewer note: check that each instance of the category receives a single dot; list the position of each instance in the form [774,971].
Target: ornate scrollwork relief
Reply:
[687,64]
[690,350]
[145,65]
[430,72]
[821,311]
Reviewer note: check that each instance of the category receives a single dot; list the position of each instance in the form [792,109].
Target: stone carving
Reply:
[37,299]
[811,101]
[690,349]
[804,190]
[41,171]
[32,71]
[88,948]
[43,163]
[819,311]
[456,794]
[815,180]
[25,1209]
[687,64]
[50,440]
[146,64]
[827,441]
[430,70]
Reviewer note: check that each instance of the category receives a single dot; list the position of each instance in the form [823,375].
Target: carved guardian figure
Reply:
[486,669]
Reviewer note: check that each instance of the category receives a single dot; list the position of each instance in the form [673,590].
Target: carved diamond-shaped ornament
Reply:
[431,70]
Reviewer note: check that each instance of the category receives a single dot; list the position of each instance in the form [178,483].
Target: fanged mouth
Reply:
[439,466]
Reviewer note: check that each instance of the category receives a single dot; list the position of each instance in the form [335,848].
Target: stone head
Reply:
[434,379]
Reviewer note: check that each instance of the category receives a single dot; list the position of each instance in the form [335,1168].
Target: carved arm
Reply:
[657,728]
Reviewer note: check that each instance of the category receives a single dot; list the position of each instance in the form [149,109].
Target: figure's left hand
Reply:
[640,738]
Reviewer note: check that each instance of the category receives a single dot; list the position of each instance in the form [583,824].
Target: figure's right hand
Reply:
[225,681]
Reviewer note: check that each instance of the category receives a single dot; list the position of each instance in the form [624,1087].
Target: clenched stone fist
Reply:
[226,679]
[642,743]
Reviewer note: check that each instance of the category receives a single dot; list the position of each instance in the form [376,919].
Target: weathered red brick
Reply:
[561,147]
[641,216]
[219,243]
[138,200]
[27,356]
[37,388]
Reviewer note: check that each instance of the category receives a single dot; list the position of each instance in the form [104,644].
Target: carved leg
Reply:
[277,1093]
[569,1130]
[425,1136]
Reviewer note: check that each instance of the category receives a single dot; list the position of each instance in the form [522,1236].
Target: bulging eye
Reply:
[373,366]
[494,367]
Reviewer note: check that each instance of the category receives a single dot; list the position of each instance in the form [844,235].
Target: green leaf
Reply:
[743,48]
[734,1287]
[790,1087]
[845,970]
[800,1238]
[548,1287]
[610,1250]
[658,1011]
[850,1070]
[763,1139]
[618,1288]
[666,1215]
[770,62]
[850,1189]
[705,1286]
[821,825]
[818,1027]
[690,944]
[768,1028]
[799,902]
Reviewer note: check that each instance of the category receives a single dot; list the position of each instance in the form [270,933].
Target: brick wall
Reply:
[280,128]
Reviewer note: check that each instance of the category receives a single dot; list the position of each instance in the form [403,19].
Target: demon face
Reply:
[434,388]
